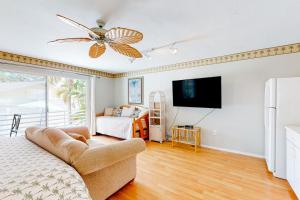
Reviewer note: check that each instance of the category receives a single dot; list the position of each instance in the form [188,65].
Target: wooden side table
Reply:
[188,134]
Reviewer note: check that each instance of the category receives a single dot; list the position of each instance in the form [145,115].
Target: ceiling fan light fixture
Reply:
[173,49]
[131,60]
[147,55]
[117,38]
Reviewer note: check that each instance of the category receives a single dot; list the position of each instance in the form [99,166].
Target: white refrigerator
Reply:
[282,108]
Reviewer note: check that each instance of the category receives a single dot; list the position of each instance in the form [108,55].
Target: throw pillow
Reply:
[117,112]
[143,111]
[135,113]
[108,111]
[78,137]
[127,112]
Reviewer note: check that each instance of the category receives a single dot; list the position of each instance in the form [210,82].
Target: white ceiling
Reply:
[218,28]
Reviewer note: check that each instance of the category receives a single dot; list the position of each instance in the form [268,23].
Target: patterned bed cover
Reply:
[28,172]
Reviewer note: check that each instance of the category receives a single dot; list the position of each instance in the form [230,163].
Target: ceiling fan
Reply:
[117,38]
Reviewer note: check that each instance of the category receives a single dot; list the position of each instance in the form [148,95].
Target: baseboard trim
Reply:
[233,151]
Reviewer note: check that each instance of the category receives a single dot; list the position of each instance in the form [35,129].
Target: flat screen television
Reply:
[200,92]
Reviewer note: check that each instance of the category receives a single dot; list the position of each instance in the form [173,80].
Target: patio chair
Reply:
[15,124]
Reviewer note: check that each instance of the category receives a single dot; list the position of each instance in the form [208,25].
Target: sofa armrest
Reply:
[100,157]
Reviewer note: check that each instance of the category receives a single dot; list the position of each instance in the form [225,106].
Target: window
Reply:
[21,94]
[52,101]
[66,102]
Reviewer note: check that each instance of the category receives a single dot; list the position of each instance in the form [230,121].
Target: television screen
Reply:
[201,92]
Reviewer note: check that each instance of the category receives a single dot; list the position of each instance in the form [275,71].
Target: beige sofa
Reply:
[104,168]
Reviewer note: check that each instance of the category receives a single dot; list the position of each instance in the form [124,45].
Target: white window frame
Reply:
[38,71]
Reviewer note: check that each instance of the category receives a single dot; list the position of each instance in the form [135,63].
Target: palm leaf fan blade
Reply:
[124,35]
[77,25]
[63,40]
[96,50]
[125,50]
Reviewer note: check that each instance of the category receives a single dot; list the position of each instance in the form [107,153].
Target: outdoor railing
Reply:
[55,119]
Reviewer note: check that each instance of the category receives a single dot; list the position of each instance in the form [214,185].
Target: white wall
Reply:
[104,93]
[239,125]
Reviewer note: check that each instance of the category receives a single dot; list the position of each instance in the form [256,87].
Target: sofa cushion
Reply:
[57,142]
[94,143]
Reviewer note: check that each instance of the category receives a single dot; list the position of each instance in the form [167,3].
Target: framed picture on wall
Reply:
[135,90]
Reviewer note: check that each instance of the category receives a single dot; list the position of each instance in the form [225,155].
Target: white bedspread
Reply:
[120,127]
[28,172]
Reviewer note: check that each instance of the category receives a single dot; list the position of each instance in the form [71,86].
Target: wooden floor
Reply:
[179,173]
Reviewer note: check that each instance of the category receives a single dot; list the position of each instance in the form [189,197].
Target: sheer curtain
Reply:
[92,105]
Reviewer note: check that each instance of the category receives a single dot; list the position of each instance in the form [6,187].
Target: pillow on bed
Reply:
[143,111]
[127,112]
[135,113]
[117,112]
[108,111]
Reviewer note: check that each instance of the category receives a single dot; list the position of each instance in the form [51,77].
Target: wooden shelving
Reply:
[157,130]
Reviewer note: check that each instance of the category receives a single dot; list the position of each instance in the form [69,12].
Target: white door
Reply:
[287,113]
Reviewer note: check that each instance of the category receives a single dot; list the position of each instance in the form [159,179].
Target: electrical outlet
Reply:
[214,132]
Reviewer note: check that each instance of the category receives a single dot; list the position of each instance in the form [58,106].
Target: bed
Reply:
[29,172]
[124,127]
[120,127]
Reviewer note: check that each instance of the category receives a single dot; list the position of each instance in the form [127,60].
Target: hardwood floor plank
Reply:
[166,173]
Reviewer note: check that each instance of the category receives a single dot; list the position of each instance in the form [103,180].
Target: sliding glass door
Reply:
[22,94]
[51,101]
[66,102]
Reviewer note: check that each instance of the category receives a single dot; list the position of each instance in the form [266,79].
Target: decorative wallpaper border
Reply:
[51,65]
[247,55]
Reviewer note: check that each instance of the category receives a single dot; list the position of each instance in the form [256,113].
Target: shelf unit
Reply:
[157,127]
[186,136]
